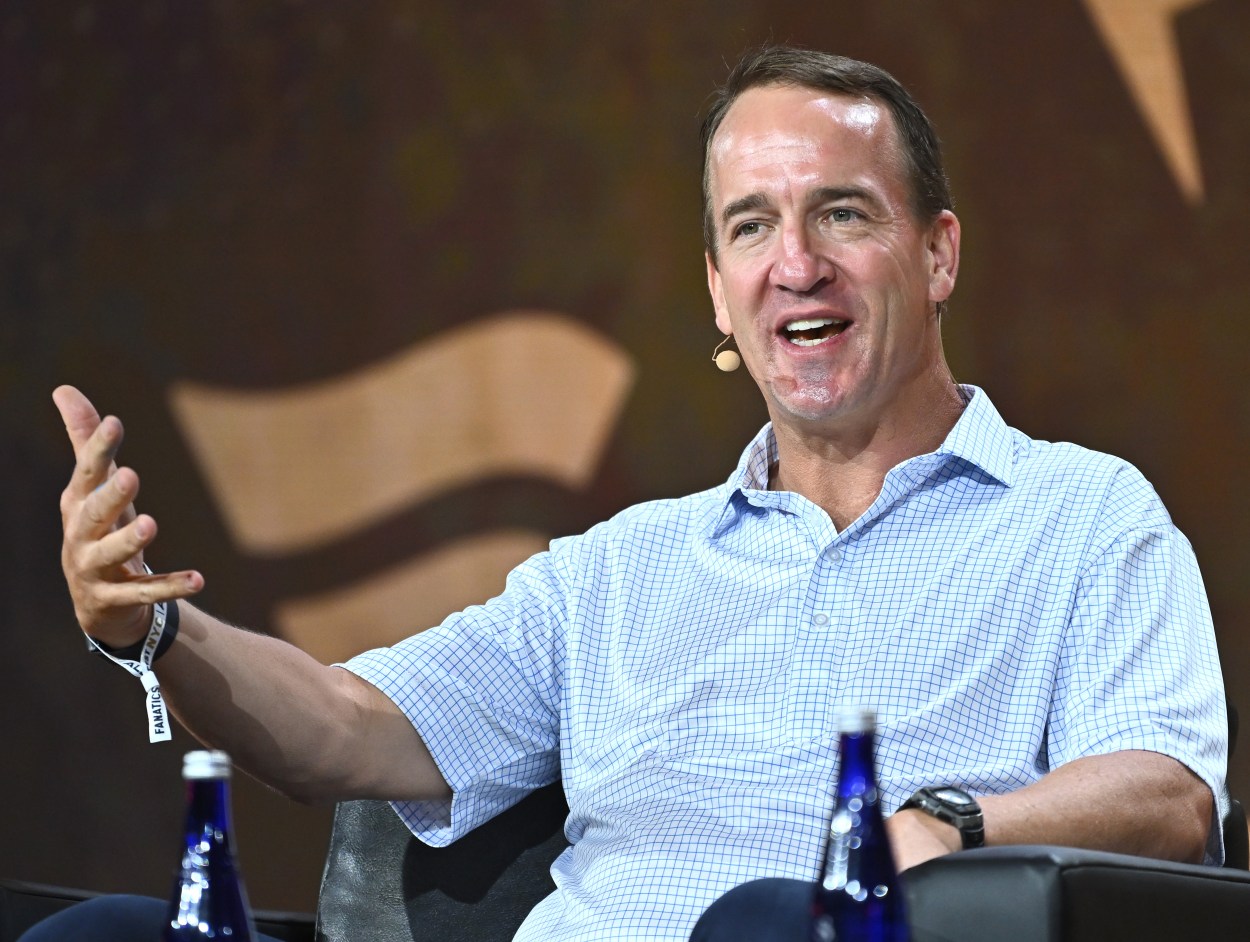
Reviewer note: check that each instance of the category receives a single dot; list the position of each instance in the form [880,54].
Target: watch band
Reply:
[954,806]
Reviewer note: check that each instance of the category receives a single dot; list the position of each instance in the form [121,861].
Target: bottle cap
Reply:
[856,719]
[205,763]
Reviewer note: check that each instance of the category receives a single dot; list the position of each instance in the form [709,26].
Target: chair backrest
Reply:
[382,884]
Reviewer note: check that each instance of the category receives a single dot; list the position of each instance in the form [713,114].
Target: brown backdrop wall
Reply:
[298,200]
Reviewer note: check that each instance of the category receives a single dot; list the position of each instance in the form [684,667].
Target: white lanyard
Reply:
[158,716]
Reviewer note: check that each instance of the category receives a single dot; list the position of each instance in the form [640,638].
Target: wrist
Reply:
[130,650]
[941,831]
[162,628]
[916,838]
[138,659]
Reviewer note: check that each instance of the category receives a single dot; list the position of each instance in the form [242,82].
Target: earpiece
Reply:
[726,360]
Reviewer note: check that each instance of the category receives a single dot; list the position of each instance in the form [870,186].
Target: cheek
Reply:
[728,299]
[749,289]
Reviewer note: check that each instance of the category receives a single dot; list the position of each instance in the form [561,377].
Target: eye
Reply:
[843,214]
[748,230]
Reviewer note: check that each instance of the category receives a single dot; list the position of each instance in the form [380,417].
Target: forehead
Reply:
[788,134]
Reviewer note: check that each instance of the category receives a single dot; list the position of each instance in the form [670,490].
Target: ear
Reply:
[943,251]
[717,292]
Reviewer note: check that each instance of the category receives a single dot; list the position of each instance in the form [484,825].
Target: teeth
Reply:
[810,331]
[811,324]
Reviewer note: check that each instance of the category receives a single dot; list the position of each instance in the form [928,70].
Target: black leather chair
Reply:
[381,884]
[1059,894]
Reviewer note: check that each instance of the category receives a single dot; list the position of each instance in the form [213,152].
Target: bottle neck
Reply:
[208,808]
[857,776]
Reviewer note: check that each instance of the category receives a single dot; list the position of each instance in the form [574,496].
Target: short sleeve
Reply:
[482,690]
[1139,667]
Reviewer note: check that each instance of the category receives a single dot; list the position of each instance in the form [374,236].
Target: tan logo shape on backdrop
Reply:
[1141,35]
[381,610]
[521,393]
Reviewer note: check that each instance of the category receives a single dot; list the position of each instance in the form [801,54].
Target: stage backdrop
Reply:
[387,297]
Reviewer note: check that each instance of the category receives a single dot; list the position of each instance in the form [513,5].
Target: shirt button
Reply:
[820,621]
[833,554]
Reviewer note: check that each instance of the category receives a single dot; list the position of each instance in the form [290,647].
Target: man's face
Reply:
[823,273]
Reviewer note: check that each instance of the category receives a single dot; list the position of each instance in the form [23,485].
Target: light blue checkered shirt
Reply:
[1006,605]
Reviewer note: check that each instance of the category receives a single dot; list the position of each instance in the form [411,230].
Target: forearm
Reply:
[1131,802]
[310,731]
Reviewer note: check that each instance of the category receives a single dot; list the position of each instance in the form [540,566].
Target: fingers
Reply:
[147,590]
[94,457]
[78,414]
[112,593]
[95,440]
[92,515]
[118,611]
[121,546]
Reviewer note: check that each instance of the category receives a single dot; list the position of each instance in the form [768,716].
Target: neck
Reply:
[842,470]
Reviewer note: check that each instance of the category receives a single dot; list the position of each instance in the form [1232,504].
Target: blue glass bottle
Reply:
[209,901]
[858,897]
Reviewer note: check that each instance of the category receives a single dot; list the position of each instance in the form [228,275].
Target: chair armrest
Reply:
[1062,894]
[1236,837]
[287,926]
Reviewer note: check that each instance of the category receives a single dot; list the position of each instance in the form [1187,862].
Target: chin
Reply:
[810,402]
[808,410]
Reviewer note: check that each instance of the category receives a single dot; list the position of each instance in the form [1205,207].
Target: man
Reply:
[1025,619]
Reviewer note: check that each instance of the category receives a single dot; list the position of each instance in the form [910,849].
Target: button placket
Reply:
[819,648]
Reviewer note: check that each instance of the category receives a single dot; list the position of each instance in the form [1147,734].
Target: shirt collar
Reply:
[756,462]
[748,485]
[979,436]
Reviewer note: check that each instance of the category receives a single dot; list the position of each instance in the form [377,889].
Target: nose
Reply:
[800,266]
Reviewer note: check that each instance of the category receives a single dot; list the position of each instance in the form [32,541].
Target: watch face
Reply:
[957,798]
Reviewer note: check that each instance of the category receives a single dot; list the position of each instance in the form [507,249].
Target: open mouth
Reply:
[812,331]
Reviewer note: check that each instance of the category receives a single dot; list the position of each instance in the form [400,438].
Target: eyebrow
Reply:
[835,194]
[745,204]
[825,194]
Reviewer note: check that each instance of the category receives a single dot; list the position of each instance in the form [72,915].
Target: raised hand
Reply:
[104,538]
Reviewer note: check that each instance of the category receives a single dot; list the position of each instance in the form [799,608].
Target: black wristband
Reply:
[132,652]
